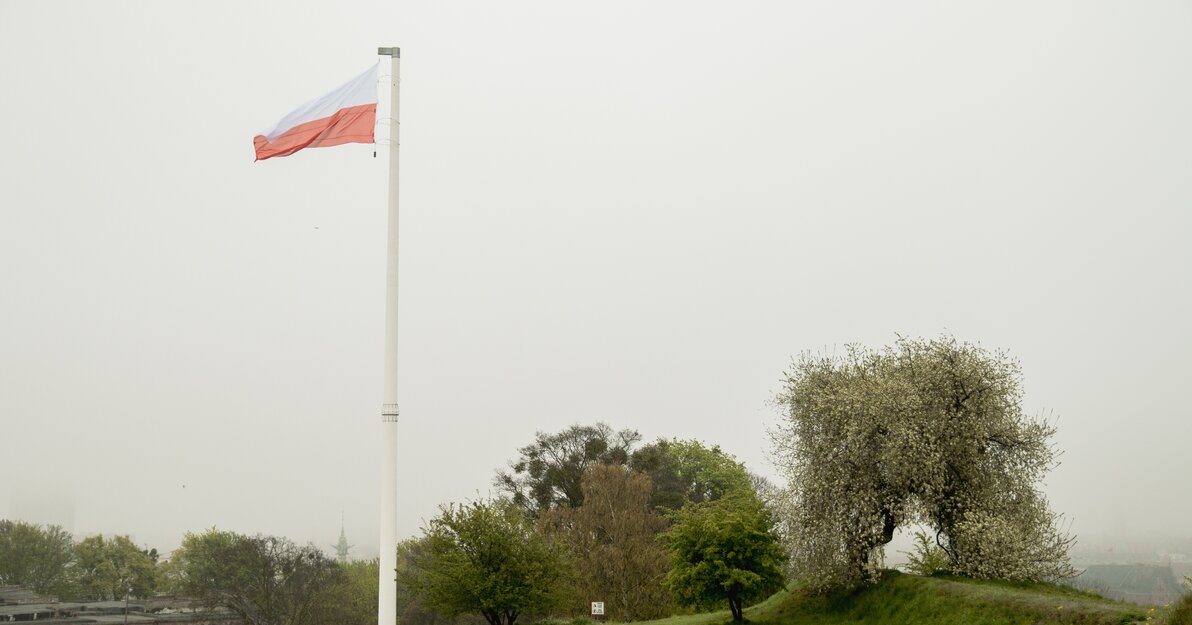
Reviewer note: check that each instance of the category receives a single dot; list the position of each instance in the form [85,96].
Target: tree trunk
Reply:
[888,526]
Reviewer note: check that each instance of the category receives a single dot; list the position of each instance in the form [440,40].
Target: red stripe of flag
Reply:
[353,124]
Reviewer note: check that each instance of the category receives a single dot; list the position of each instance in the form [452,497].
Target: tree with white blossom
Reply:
[920,433]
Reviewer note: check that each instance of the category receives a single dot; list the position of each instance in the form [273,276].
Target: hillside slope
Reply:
[910,599]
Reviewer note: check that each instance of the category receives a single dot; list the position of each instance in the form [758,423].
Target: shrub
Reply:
[1181,612]
[927,558]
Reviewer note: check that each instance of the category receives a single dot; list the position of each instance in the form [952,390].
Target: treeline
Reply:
[589,514]
[586,514]
[47,560]
[927,435]
[266,580]
[923,434]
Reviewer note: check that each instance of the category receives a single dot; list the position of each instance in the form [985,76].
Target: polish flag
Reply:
[346,115]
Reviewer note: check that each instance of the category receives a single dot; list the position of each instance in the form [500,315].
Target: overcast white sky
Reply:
[635,212]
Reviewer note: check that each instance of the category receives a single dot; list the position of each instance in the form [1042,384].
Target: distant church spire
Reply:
[342,547]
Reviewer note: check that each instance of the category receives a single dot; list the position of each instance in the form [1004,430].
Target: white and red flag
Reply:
[346,115]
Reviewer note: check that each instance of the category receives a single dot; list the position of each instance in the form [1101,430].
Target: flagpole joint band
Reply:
[394,52]
[389,413]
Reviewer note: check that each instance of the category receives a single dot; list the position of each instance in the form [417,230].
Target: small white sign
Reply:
[597,608]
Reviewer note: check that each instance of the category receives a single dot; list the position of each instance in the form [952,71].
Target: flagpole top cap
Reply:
[393,52]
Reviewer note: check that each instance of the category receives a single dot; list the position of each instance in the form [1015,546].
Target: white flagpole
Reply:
[387,599]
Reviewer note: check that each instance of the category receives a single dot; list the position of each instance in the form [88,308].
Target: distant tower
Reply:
[342,547]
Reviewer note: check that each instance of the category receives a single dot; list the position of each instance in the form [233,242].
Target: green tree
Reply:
[927,432]
[411,606]
[113,568]
[351,597]
[724,550]
[686,471]
[168,578]
[35,557]
[487,558]
[613,539]
[266,580]
[547,472]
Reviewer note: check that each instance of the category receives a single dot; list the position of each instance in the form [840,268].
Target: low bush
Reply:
[927,558]
[1181,611]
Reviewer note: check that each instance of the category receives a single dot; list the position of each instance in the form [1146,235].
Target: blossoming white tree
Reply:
[923,432]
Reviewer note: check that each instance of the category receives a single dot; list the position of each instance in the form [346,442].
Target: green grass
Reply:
[910,599]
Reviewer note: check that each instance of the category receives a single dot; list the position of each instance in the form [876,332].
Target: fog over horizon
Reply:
[635,213]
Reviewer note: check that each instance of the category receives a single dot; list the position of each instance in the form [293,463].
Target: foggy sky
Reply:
[635,212]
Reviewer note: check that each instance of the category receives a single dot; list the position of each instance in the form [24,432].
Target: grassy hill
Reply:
[911,599]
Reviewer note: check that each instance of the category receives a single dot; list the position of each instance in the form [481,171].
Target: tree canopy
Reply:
[547,473]
[923,432]
[350,598]
[411,604]
[486,557]
[112,568]
[686,470]
[35,557]
[266,580]
[613,539]
[724,550]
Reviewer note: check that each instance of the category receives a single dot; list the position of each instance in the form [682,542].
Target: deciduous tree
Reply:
[112,568]
[684,471]
[35,557]
[725,550]
[266,580]
[411,606]
[547,472]
[486,557]
[351,597]
[927,432]
[613,537]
